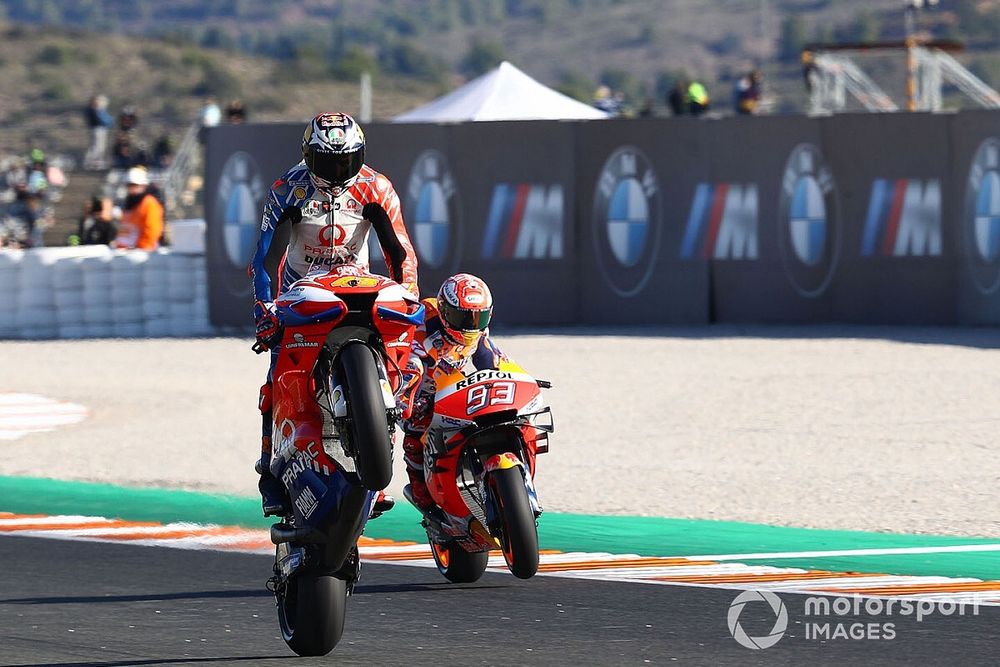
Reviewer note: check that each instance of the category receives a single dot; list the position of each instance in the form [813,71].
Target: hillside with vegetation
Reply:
[288,59]
[48,74]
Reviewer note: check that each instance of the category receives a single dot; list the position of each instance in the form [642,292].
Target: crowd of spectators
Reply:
[687,97]
[29,186]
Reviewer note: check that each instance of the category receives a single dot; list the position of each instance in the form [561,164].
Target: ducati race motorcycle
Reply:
[345,335]
[479,464]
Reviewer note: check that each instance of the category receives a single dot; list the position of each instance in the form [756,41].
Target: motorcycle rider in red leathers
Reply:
[331,200]
[455,332]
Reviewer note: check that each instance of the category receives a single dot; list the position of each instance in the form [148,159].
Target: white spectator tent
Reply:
[504,93]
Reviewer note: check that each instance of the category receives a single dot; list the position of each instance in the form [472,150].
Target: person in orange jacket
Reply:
[142,214]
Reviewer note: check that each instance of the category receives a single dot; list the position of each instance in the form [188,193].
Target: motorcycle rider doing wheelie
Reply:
[455,332]
[331,200]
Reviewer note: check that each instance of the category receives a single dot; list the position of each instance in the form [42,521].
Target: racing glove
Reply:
[266,322]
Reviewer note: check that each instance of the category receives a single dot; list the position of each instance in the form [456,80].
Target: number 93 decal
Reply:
[497,393]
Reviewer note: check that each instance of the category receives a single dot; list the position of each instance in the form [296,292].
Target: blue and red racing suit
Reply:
[327,229]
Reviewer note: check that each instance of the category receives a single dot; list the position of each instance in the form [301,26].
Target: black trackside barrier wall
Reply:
[867,218]
[899,260]
[241,163]
[974,214]
[634,179]
[767,262]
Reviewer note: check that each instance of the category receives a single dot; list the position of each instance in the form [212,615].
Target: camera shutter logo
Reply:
[238,206]
[808,224]
[627,220]
[780,621]
[982,217]
[432,210]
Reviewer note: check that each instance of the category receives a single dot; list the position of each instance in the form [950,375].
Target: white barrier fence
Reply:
[95,292]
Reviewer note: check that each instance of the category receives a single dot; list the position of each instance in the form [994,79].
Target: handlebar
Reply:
[544,384]
[262,346]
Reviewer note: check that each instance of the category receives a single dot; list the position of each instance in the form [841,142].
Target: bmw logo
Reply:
[982,217]
[238,202]
[808,225]
[432,211]
[627,220]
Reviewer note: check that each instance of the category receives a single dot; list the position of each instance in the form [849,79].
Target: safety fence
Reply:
[96,292]
[887,218]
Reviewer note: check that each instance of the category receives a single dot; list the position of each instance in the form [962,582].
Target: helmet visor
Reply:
[335,168]
[465,320]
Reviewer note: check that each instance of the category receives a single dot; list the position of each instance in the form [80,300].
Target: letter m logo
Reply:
[904,219]
[722,223]
[525,222]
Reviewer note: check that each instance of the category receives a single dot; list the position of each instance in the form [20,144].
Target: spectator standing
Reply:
[746,94]
[127,119]
[36,179]
[121,151]
[163,152]
[29,218]
[605,101]
[211,114]
[677,98]
[697,99]
[236,113]
[99,121]
[97,225]
[142,214]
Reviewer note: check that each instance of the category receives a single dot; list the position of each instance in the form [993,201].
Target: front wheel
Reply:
[311,611]
[518,534]
[369,426]
[458,565]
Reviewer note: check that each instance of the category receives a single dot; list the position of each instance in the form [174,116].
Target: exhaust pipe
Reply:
[282,532]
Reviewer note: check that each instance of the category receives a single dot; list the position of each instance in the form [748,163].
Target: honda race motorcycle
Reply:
[345,335]
[479,463]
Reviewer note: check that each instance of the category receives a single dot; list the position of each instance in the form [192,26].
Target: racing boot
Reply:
[383,503]
[416,491]
[274,497]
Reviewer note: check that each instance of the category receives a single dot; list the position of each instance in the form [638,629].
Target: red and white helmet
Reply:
[466,305]
[333,147]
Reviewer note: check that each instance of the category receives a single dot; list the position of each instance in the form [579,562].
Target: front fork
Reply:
[510,460]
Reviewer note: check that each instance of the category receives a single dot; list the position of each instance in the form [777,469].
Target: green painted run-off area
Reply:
[648,536]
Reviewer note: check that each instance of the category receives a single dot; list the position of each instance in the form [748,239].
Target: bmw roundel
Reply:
[627,220]
[808,225]
[238,202]
[432,211]
[982,217]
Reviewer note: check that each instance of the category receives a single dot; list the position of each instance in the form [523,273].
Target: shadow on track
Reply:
[90,599]
[160,661]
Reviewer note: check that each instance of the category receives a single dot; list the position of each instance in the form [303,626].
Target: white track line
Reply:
[891,551]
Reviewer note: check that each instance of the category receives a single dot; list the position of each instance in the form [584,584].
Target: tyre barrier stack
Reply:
[97,292]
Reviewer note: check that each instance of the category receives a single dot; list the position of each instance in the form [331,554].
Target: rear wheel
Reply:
[311,611]
[458,565]
[369,426]
[518,534]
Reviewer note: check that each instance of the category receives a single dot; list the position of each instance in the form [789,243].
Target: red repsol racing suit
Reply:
[434,354]
[327,229]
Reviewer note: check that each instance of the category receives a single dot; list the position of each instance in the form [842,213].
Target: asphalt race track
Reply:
[81,603]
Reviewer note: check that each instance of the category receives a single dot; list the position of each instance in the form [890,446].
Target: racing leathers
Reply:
[328,228]
[434,353]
